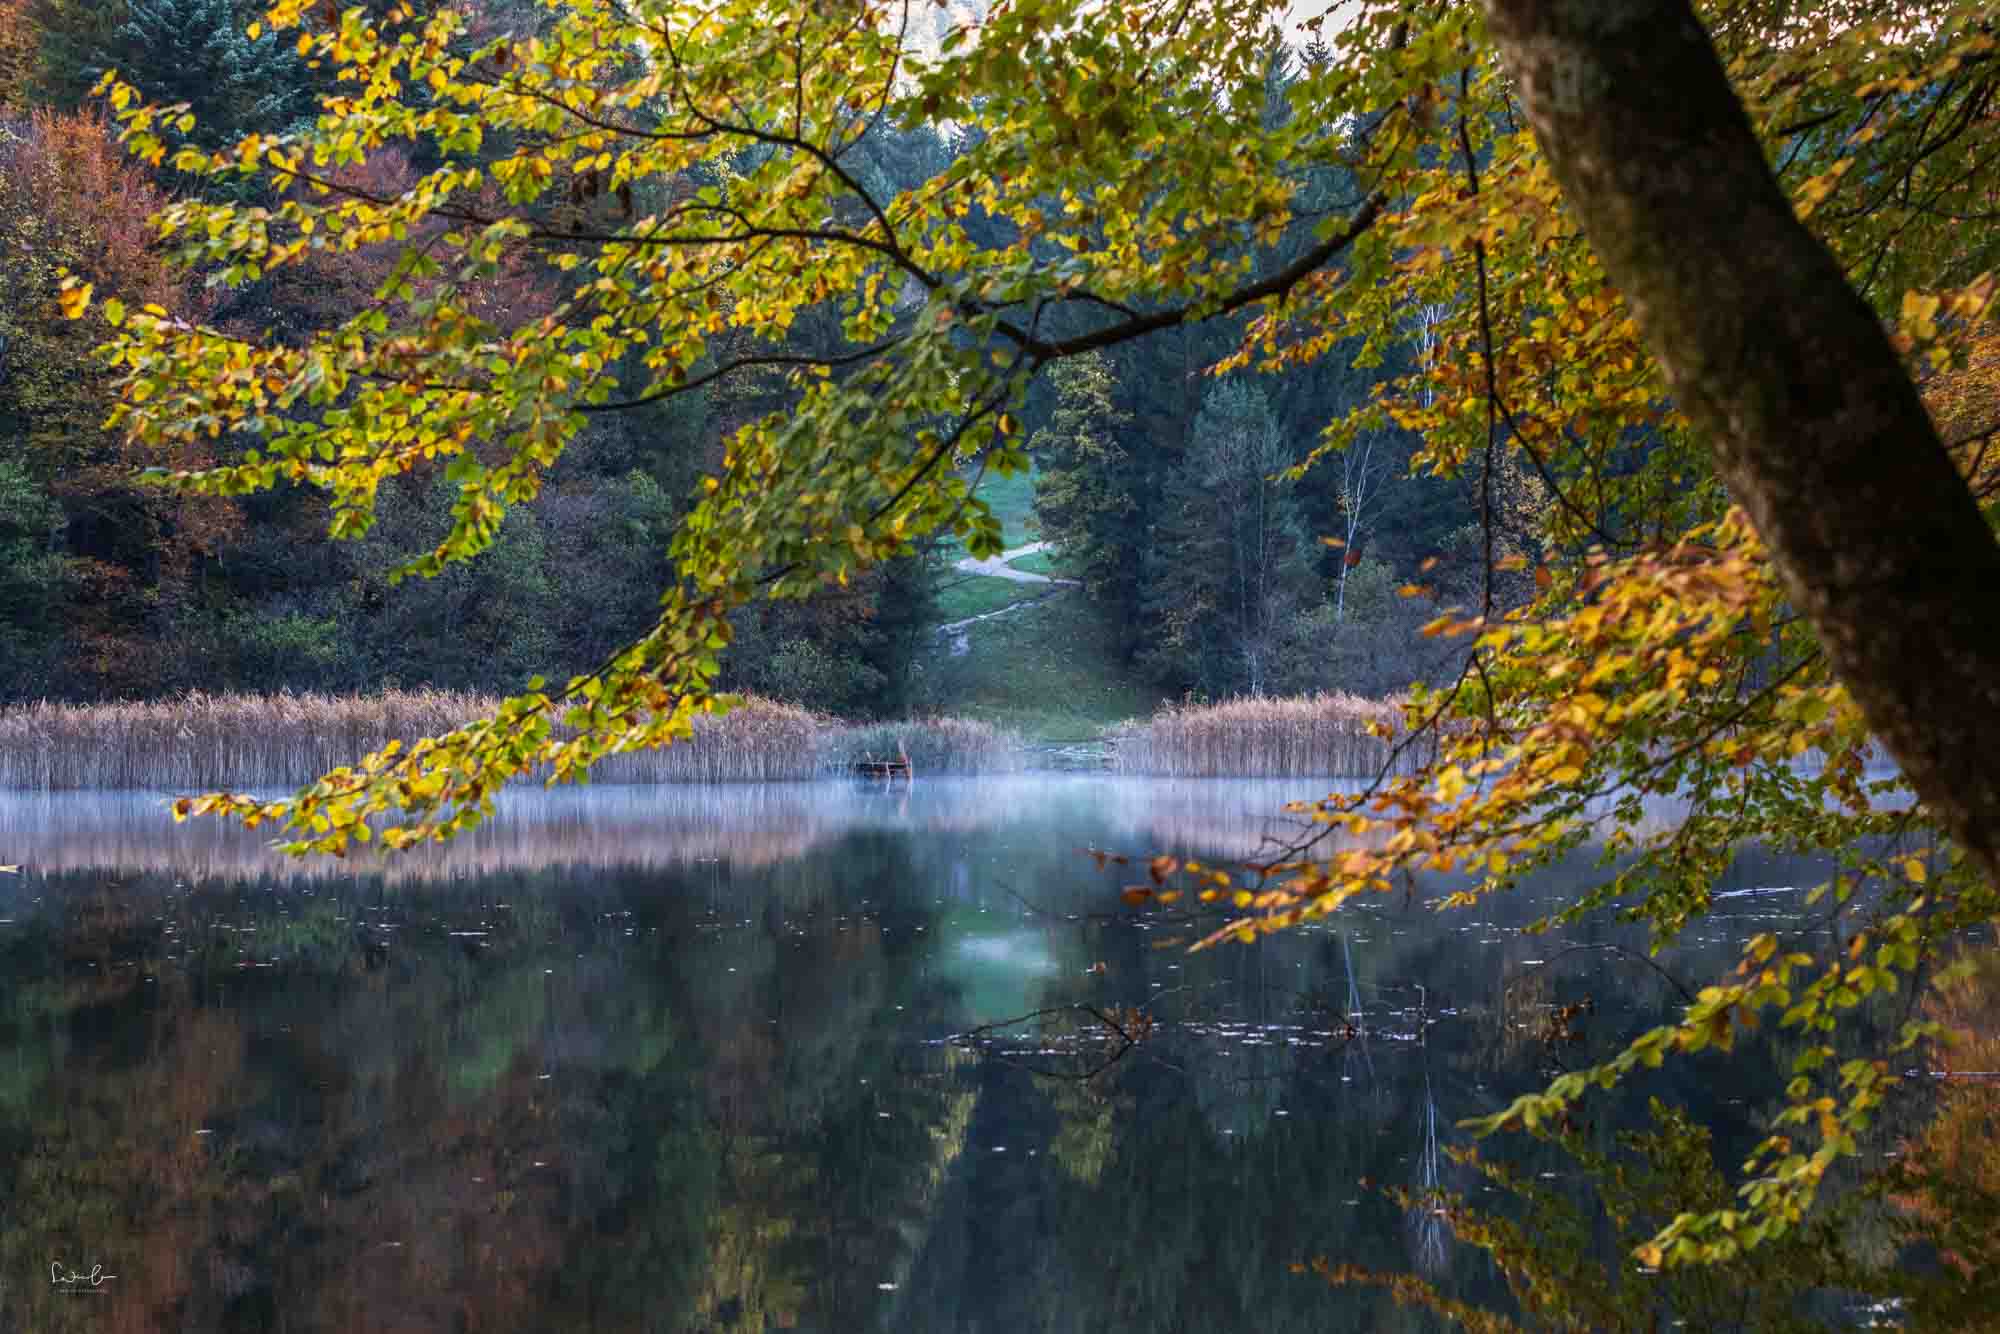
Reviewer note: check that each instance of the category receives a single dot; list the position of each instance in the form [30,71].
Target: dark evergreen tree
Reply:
[34,575]
[1087,487]
[849,651]
[193,51]
[1228,568]
[70,38]
[890,160]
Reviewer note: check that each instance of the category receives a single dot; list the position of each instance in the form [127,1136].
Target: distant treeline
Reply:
[1160,484]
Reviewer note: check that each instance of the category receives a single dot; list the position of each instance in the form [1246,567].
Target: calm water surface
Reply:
[741,1059]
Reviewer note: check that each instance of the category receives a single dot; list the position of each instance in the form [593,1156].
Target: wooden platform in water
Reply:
[882,768]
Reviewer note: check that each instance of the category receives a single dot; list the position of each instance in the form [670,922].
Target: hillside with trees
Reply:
[1149,472]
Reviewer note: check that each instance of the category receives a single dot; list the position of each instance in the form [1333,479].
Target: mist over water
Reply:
[736,1058]
[675,824]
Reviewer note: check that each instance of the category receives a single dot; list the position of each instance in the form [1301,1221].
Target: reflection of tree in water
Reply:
[539,1083]
[1176,1187]
[1428,1235]
[103,1133]
[598,1102]
[1086,1110]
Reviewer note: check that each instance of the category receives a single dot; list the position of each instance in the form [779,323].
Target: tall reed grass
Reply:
[934,746]
[1311,736]
[198,740]
[763,741]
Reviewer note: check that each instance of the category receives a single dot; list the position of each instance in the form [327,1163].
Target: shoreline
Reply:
[203,742]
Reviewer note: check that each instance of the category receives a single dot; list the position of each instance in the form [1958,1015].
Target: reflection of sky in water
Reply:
[1019,953]
[1001,972]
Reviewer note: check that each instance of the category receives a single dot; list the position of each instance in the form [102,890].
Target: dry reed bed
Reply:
[1311,736]
[962,746]
[197,741]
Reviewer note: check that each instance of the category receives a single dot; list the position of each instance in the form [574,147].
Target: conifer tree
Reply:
[193,51]
[34,575]
[1228,562]
[1086,489]
[66,38]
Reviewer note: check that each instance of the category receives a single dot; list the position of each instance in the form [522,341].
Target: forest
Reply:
[1155,481]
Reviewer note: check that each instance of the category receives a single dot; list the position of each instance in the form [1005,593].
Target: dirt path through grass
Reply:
[998,567]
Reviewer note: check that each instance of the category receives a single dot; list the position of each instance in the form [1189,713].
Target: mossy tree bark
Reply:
[1816,425]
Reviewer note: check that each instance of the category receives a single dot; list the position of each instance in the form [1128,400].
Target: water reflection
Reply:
[713,1059]
[747,824]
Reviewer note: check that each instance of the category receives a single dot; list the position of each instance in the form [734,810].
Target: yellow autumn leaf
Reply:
[1919,307]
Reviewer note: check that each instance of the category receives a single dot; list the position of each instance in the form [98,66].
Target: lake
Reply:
[816,1056]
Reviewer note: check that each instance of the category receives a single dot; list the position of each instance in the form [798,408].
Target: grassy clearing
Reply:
[1314,736]
[1051,671]
[963,595]
[1012,500]
[1013,503]
[201,741]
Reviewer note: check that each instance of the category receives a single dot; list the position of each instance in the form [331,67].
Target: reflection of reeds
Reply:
[650,826]
[662,825]
[1243,818]
[245,741]
[1303,736]
[1429,1235]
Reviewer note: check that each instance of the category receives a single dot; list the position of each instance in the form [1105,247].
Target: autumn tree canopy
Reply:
[1673,607]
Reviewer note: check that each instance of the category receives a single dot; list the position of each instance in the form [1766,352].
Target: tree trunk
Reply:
[1817,427]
